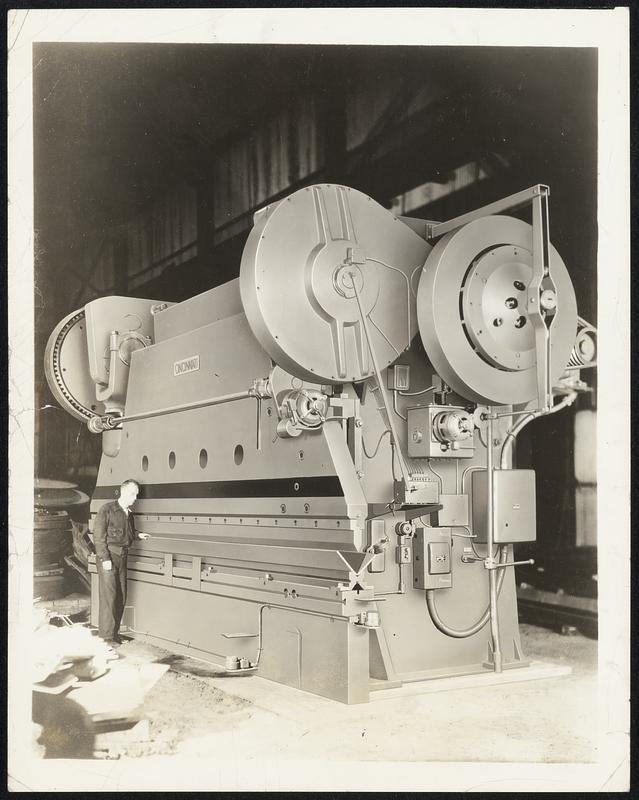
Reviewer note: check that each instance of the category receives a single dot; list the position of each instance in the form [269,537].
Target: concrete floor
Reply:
[194,711]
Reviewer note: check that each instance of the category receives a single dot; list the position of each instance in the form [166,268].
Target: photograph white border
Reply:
[607,30]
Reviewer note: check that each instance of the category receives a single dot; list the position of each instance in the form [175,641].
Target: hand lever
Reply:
[490,563]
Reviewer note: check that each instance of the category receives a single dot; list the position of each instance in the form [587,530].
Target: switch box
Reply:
[398,377]
[514,505]
[454,510]
[403,554]
[432,554]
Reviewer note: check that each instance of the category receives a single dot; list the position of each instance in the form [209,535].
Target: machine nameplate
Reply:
[190,364]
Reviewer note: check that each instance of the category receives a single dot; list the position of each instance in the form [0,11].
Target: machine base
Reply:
[387,690]
[537,670]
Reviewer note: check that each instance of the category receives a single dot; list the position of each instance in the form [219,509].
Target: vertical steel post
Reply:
[490,539]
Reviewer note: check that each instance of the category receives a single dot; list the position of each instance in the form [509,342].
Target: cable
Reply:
[481,438]
[408,291]
[413,394]
[392,444]
[395,409]
[516,429]
[260,644]
[468,535]
[437,475]
[378,378]
[467,471]
[464,633]
[379,441]
[461,535]
[480,557]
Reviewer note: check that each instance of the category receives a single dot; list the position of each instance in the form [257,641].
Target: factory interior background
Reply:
[151,160]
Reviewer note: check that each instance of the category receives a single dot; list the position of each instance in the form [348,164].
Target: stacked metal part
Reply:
[323,446]
[52,535]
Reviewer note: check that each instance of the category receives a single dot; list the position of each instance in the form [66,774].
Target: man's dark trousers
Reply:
[112,597]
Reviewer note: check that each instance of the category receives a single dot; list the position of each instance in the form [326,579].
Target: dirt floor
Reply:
[196,711]
[184,704]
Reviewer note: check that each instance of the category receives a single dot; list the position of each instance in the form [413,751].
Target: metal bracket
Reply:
[511,203]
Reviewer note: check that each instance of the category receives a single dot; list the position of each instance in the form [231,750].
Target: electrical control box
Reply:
[398,377]
[514,505]
[432,554]
[422,492]
[454,510]
[403,554]
[437,431]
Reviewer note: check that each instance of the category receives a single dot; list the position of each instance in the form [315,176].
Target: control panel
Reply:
[432,553]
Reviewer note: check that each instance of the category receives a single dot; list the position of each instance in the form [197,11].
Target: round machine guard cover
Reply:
[66,366]
[295,281]
[452,342]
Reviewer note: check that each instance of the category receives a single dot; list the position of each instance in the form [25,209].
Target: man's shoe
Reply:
[114,643]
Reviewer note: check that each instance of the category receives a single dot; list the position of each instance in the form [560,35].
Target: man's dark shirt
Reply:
[112,526]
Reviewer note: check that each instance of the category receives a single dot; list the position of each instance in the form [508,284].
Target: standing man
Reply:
[113,533]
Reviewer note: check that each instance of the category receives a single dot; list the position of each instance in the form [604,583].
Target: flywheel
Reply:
[296,283]
[472,311]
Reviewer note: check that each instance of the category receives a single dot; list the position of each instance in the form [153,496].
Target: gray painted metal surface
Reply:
[276,535]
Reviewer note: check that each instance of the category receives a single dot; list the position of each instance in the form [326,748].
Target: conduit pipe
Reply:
[464,633]
[490,534]
[568,400]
